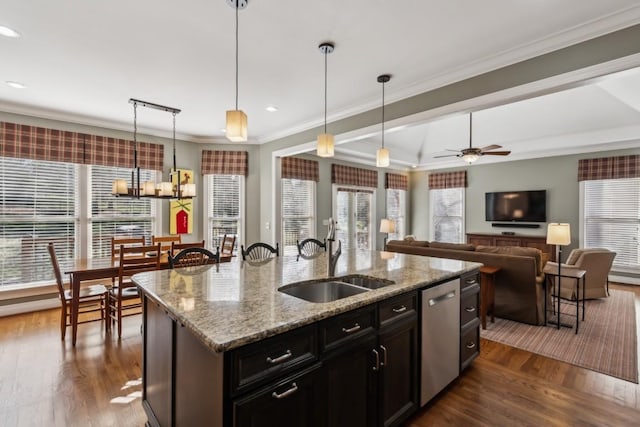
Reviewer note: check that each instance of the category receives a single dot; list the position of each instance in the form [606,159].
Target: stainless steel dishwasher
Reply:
[440,338]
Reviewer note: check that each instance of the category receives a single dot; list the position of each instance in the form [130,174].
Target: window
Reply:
[225,208]
[298,213]
[447,214]
[117,217]
[38,206]
[611,219]
[396,211]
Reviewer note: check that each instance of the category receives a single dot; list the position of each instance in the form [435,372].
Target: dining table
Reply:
[84,269]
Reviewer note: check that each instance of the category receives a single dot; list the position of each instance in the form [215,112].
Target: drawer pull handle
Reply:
[471,345]
[471,281]
[470,309]
[400,309]
[293,389]
[279,359]
[354,328]
[377,355]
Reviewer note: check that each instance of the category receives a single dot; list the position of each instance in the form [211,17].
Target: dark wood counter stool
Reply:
[487,293]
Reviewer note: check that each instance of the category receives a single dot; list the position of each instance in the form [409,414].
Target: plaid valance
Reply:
[225,162]
[347,175]
[448,180]
[296,168]
[396,181]
[38,143]
[609,168]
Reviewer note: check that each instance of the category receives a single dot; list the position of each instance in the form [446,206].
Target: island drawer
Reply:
[469,343]
[346,327]
[260,362]
[397,307]
[469,305]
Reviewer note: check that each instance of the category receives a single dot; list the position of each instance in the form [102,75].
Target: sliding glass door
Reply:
[353,207]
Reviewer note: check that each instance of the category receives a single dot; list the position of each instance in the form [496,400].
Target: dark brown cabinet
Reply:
[489,239]
[469,318]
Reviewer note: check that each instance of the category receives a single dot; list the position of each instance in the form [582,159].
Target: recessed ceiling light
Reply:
[414,166]
[223,130]
[8,32]
[16,85]
[271,108]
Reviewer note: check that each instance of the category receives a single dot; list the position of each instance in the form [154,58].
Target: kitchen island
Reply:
[224,347]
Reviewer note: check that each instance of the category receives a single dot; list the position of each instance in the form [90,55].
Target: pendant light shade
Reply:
[325,146]
[382,156]
[236,129]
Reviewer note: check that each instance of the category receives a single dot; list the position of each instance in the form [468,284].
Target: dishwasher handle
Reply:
[439,299]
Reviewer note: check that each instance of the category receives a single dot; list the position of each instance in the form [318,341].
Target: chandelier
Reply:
[172,189]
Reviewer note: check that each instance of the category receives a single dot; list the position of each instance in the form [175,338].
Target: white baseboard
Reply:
[624,279]
[27,307]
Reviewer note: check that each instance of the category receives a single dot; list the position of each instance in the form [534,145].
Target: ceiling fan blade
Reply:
[497,153]
[447,155]
[491,147]
[448,149]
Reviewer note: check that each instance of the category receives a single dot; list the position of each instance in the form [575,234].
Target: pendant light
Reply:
[325,140]
[163,190]
[236,130]
[382,156]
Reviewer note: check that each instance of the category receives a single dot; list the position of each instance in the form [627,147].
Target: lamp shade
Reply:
[558,234]
[236,130]
[387,226]
[382,158]
[470,157]
[119,186]
[325,145]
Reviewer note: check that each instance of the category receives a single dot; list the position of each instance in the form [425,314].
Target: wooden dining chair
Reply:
[124,299]
[259,251]
[92,298]
[311,246]
[228,243]
[194,256]
[166,241]
[117,242]
[177,247]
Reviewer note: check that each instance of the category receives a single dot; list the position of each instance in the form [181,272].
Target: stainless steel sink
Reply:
[368,282]
[322,291]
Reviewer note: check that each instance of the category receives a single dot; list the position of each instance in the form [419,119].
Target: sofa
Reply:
[519,285]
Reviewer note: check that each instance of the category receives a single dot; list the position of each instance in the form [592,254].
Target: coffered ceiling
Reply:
[81,61]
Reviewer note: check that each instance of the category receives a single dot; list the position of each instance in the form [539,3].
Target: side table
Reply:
[569,273]
[487,293]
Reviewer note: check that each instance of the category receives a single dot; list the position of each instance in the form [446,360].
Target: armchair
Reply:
[596,262]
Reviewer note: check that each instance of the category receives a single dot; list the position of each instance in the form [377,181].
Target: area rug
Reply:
[606,340]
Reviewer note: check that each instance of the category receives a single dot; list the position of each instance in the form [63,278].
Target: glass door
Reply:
[353,214]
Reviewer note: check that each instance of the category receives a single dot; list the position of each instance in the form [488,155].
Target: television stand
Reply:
[525,241]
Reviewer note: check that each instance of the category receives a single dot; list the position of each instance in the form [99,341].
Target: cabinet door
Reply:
[398,379]
[351,391]
[293,402]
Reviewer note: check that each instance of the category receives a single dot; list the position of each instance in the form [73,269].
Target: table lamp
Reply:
[387,226]
[558,234]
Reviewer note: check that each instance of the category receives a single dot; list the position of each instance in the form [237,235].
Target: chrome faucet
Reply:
[333,257]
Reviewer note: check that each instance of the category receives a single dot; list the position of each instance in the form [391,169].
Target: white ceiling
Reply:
[82,60]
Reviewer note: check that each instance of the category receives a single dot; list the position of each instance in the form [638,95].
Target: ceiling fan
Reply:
[472,154]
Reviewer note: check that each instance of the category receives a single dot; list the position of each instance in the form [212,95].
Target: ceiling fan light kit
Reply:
[236,129]
[325,144]
[382,155]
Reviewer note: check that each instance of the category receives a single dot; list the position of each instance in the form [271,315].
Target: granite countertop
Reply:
[231,304]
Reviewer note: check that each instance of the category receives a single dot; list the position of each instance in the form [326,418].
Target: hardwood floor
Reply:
[47,382]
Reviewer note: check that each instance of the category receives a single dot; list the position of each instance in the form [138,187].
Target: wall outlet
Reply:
[267,225]
[325,222]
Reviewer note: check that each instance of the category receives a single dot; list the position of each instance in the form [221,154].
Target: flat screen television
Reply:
[520,206]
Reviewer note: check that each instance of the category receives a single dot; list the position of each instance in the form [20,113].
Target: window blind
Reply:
[447,219]
[117,216]
[612,219]
[396,211]
[298,212]
[38,206]
[225,208]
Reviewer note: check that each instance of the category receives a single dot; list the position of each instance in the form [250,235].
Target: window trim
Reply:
[373,230]
[403,208]
[313,210]
[463,209]
[207,201]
